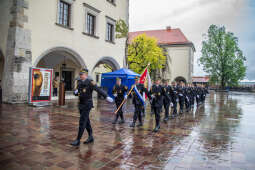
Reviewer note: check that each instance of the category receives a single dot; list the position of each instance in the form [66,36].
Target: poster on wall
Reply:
[40,85]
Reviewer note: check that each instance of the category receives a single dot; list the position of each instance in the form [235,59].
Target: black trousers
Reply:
[174,107]
[138,113]
[120,112]
[166,107]
[197,100]
[181,103]
[192,100]
[157,114]
[84,120]
[187,102]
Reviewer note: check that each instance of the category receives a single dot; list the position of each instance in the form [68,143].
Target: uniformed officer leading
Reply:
[119,91]
[85,87]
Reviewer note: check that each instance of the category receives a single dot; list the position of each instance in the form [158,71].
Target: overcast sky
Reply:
[194,17]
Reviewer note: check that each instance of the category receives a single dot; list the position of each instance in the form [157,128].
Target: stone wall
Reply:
[18,55]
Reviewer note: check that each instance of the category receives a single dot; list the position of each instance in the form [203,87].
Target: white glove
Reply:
[125,96]
[115,95]
[171,104]
[76,91]
[109,99]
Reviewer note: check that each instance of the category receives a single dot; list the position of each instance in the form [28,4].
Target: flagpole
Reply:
[129,93]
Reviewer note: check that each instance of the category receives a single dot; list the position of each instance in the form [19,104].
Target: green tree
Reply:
[122,32]
[144,50]
[221,57]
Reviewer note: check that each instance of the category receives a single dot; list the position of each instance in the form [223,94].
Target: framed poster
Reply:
[40,85]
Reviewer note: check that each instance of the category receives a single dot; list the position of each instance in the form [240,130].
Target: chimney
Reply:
[168,28]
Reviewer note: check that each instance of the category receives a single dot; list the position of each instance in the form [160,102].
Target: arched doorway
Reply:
[104,65]
[65,62]
[179,79]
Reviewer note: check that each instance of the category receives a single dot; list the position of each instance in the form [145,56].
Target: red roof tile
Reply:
[164,37]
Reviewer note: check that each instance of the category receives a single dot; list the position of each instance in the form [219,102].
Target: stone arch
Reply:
[108,60]
[65,62]
[97,70]
[76,56]
[180,78]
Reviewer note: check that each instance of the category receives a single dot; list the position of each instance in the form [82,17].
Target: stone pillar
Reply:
[18,56]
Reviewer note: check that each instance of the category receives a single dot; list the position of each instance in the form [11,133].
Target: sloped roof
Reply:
[164,37]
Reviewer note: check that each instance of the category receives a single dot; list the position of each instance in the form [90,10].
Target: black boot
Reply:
[132,124]
[140,124]
[75,143]
[89,140]
[122,121]
[156,129]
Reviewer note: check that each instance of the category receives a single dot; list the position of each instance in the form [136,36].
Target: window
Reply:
[64,14]
[110,32]
[91,22]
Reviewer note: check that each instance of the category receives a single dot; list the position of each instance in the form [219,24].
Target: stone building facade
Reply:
[179,50]
[65,35]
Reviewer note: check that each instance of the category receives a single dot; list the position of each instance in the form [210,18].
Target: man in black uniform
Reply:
[192,95]
[119,91]
[167,100]
[180,96]
[174,98]
[138,103]
[186,96]
[85,87]
[197,92]
[157,93]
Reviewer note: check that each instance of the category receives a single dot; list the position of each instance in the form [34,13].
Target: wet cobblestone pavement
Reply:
[218,135]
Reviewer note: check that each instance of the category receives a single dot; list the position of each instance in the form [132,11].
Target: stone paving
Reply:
[218,135]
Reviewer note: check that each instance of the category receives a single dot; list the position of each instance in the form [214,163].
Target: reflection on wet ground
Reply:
[218,135]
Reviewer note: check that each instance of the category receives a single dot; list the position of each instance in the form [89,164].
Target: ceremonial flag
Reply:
[145,79]
[139,95]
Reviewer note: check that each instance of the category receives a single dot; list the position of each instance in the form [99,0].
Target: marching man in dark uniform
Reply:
[119,91]
[174,98]
[167,100]
[157,93]
[138,103]
[85,87]
[180,92]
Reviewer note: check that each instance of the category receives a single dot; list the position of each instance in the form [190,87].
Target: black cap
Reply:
[84,71]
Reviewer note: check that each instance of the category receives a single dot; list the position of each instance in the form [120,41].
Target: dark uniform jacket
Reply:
[168,90]
[85,89]
[180,92]
[120,90]
[141,89]
[174,94]
[158,92]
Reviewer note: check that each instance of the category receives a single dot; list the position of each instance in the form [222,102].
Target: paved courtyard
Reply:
[218,135]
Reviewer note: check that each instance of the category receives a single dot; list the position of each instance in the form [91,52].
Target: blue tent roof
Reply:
[120,73]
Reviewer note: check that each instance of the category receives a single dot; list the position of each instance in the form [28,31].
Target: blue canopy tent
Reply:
[108,80]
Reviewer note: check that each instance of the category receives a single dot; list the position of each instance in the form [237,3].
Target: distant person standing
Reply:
[55,86]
